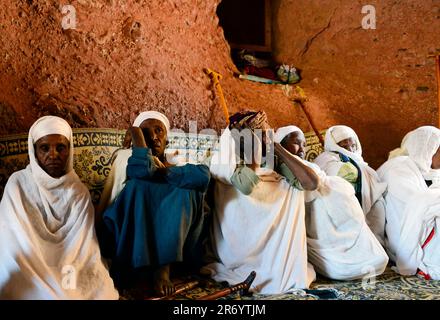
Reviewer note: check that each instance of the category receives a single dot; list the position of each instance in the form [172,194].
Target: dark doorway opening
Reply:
[246,24]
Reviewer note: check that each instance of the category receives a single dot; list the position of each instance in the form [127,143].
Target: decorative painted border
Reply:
[313,146]
[94,148]
[17,144]
[11,145]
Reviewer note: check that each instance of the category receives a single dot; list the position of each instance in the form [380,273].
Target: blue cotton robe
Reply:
[156,219]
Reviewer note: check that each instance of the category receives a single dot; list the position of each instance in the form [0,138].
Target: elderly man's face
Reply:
[295,143]
[348,144]
[155,135]
[52,153]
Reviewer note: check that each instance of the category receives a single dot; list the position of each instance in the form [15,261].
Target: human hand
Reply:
[137,137]
[127,139]
[159,164]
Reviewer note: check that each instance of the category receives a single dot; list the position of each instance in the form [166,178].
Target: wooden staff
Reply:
[215,77]
[179,289]
[300,101]
[244,286]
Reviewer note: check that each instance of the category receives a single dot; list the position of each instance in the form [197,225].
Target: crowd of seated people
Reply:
[257,205]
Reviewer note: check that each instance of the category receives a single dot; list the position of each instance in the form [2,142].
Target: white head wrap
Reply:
[152,115]
[50,125]
[43,127]
[336,134]
[284,132]
[50,225]
[420,145]
[50,189]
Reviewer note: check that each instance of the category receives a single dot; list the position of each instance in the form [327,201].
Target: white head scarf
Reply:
[47,224]
[152,115]
[284,132]
[420,145]
[43,127]
[336,134]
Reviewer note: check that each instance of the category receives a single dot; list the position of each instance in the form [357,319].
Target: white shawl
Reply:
[264,231]
[372,187]
[340,244]
[413,209]
[49,249]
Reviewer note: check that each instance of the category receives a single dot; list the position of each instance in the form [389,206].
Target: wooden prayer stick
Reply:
[244,286]
[312,124]
[300,101]
[215,77]
[179,289]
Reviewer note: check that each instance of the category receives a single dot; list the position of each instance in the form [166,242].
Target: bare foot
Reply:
[162,283]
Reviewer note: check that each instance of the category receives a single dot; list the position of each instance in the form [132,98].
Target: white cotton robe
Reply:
[263,231]
[48,245]
[373,188]
[413,208]
[341,246]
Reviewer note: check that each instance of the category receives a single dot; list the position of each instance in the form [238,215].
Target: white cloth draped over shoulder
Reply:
[48,245]
[264,231]
[373,188]
[413,208]
[340,244]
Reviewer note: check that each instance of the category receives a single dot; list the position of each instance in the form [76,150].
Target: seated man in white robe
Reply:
[258,220]
[342,157]
[340,244]
[413,203]
[49,248]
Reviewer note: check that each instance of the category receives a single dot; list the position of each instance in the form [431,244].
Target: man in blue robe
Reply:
[157,219]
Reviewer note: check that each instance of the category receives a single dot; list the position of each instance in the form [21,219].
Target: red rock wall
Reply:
[123,57]
[128,56]
[381,82]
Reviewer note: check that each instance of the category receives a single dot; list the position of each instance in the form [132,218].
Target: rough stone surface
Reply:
[122,58]
[381,82]
[126,56]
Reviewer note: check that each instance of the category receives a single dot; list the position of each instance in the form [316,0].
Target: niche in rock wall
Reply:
[246,24]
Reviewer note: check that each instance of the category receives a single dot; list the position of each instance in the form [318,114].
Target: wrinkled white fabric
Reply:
[340,244]
[152,115]
[420,145]
[49,248]
[373,188]
[413,209]
[283,132]
[50,125]
[336,134]
[264,231]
